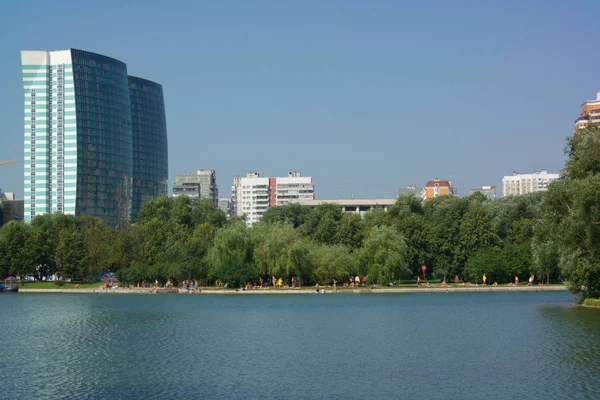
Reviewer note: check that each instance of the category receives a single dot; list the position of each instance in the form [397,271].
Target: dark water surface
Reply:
[395,346]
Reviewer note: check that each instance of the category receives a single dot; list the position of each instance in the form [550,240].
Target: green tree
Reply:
[44,239]
[485,261]
[475,231]
[271,246]
[443,216]
[204,211]
[231,256]
[158,208]
[16,254]
[350,231]
[322,223]
[406,216]
[70,255]
[332,263]
[197,251]
[384,256]
[545,250]
[97,239]
[291,213]
[574,210]
[151,239]
[301,262]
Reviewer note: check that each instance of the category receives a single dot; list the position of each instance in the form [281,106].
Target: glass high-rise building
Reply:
[79,136]
[149,128]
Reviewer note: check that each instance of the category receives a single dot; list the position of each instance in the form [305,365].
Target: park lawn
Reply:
[67,285]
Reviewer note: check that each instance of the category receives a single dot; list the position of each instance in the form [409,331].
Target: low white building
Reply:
[253,195]
[294,187]
[352,206]
[516,183]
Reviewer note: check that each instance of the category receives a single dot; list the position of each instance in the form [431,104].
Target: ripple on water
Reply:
[435,346]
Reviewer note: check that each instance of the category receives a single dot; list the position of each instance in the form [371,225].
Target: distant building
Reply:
[203,185]
[7,195]
[487,191]
[590,113]
[225,205]
[527,183]
[437,188]
[352,206]
[11,210]
[253,195]
[410,189]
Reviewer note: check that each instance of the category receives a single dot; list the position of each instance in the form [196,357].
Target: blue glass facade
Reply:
[104,138]
[150,149]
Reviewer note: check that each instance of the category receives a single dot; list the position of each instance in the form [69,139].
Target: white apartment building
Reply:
[293,188]
[253,195]
[527,183]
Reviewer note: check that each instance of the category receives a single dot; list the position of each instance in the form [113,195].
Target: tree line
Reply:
[547,234]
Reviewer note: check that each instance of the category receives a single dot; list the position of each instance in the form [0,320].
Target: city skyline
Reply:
[324,94]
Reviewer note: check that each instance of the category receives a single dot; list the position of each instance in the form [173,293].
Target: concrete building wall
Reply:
[351,206]
[518,184]
[436,188]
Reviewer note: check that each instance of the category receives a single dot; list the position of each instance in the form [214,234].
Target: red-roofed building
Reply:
[590,113]
[437,188]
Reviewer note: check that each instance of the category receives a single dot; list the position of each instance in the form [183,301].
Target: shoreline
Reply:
[328,290]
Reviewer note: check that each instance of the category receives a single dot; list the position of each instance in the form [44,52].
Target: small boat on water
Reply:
[10,285]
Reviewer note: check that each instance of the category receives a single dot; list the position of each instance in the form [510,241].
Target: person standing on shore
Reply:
[484,279]
[418,281]
[516,280]
[531,278]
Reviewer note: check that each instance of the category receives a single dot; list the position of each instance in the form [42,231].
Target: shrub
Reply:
[592,302]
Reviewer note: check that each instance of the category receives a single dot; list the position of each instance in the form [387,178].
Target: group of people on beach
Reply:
[484,282]
[356,281]
[275,283]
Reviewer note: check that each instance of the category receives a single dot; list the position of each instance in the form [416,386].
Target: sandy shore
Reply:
[328,290]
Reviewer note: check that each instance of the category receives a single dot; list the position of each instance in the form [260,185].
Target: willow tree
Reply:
[384,256]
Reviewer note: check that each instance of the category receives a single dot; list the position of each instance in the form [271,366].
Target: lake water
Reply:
[395,346]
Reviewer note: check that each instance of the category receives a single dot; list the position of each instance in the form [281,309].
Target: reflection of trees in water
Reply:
[570,338]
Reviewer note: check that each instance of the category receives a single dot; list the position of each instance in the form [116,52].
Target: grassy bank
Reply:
[592,302]
[52,285]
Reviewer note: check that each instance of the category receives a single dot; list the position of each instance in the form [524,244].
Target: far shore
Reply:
[307,290]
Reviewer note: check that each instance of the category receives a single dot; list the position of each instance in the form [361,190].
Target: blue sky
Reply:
[365,97]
